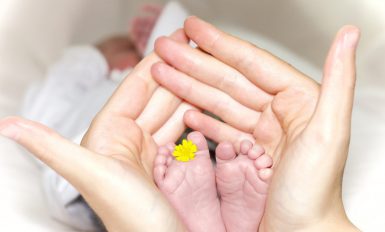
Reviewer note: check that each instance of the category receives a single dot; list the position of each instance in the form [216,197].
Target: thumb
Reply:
[334,109]
[71,161]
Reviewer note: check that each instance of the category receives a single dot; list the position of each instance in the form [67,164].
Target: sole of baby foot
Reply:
[242,182]
[190,186]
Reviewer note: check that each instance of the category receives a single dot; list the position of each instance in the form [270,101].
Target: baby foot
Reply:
[242,182]
[190,186]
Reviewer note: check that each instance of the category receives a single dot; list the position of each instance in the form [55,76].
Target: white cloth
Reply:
[76,88]
[57,102]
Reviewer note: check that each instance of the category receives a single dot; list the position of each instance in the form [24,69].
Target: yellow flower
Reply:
[186,151]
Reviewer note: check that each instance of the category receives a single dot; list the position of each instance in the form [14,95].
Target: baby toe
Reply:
[255,152]
[161,157]
[265,174]
[246,145]
[225,152]
[159,174]
[169,161]
[170,147]
[263,161]
[199,140]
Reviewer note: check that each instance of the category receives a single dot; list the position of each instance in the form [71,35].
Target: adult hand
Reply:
[303,125]
[154,109]
[113,168]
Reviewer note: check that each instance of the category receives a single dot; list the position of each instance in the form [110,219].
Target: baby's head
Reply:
[119,52]
[122,52]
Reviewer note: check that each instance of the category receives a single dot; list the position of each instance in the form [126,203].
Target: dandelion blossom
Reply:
[186,151]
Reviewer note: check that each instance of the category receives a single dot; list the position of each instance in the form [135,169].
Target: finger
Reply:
[334,109]
[206,97]
[211,71]
[158,110]
[161,106]
[260,67]
[174,127]
[132,95]
[214,129]
[71,161]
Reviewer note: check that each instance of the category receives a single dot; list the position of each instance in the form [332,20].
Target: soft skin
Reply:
[113,167]
[190,186]
[304,125]
[242,182]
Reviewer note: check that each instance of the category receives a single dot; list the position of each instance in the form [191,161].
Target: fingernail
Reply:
[10,131]
[348,42]
[351,38]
